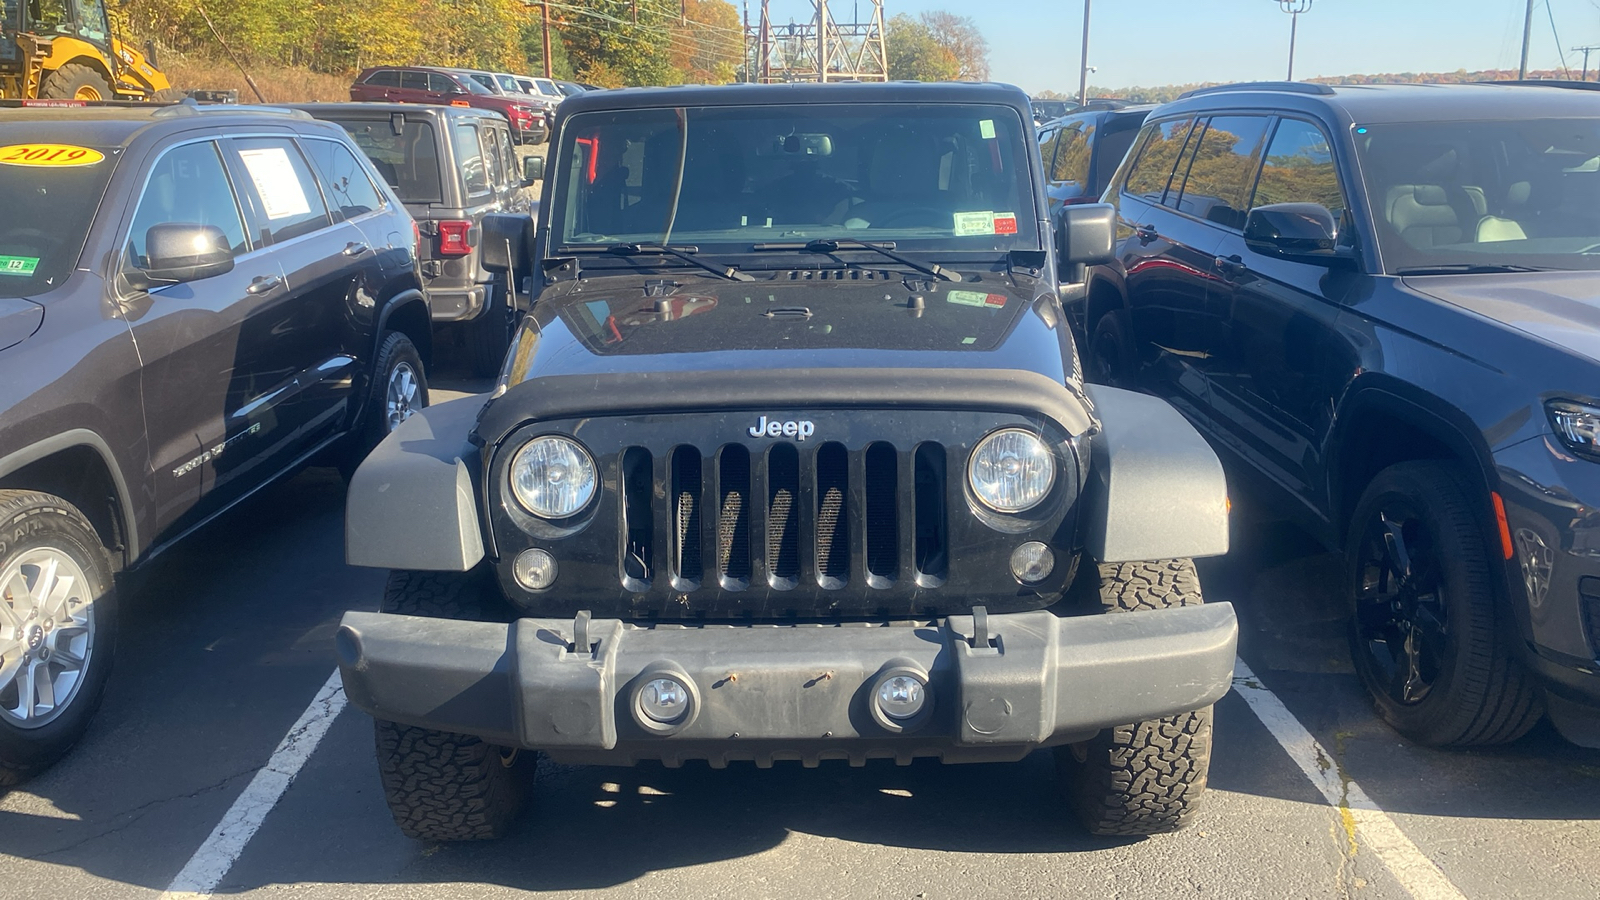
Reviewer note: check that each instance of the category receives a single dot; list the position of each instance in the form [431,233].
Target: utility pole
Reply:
[544,12]
[1527,35]
[822,41]
[1585,51]
[1083,59]
[1294,8]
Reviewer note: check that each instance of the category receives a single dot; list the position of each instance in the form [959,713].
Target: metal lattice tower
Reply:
[823,49]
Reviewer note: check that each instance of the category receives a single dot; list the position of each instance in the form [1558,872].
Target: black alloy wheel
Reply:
[1402,622]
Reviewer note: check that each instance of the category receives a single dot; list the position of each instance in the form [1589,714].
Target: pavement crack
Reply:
[132,816]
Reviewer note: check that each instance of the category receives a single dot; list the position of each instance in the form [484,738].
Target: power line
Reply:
[1557,35]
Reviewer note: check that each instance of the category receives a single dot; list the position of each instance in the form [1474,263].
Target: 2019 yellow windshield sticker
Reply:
[48,155]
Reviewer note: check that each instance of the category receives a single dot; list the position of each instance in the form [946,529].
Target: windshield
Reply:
[945,177]
[1511,193]
[548,88]
[403,151]
[48,209]
[509,82]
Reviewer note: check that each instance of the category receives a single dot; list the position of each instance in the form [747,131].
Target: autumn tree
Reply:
[960,37]
[708,42]
[914,53]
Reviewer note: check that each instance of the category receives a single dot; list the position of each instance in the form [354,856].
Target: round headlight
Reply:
[1011,470]
[553,477]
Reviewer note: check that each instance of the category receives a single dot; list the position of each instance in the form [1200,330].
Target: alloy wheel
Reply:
[400,397]
[1402,626]
[46,635]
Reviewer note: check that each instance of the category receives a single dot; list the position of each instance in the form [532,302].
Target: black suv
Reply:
[451,166]
[1384,304]
[792,461]
[1082,150]
[193,302]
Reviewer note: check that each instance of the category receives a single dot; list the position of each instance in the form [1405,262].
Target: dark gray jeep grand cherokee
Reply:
[792,460]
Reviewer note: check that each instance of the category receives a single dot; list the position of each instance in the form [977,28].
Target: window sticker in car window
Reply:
[976,298]
[23,266]
[276,182]
[50,155]
[1005,223]
[971,223]
[986,129]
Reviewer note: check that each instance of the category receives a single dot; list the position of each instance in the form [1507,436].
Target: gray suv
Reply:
[451,166]
[193,303]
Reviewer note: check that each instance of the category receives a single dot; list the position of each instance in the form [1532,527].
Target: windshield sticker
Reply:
[276,181]
[976,298]
[986,129]
[49,155]
[971,223]
[24,266]
[1005,223]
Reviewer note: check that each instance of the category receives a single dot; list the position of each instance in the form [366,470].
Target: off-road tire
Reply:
[442,786]
[394,350]
[488,336]
[1144,778]
[168,95]
[65,83]
[29,520]
[1485,696]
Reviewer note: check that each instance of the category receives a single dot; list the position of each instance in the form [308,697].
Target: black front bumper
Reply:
[767,692]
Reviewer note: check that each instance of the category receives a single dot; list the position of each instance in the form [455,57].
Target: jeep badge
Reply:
[801,429]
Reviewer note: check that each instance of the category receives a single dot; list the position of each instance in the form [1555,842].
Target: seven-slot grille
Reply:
[784,515]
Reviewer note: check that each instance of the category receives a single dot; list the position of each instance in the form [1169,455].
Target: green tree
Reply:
[915,54]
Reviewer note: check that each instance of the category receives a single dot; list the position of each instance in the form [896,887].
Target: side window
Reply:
[492,172]
[1047,147]
[1223,170]
[1072,156]
[1158,154]
[188,186]
[414,81]
[385,78]
[1298,168]
[509,152]
[289,198]
[442,84]
[1113,147]
[349,188]
[469,159]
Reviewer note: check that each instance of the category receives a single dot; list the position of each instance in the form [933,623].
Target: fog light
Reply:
[664,700]
[535,569]
[1032,562]
[901,697]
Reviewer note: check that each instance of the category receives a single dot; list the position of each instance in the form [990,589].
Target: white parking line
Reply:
[206,869]
[1415,872]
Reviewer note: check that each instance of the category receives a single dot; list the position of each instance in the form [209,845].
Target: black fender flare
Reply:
[399,301]
[83,437]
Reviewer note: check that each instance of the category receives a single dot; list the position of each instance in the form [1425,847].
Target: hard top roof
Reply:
[799,93]
[1391,103]
[116,126]
[384,110]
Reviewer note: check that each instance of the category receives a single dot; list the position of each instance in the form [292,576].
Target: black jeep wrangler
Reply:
[792,460]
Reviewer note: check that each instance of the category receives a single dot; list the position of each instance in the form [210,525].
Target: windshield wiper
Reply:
[1466,269]
[886,248]
[687,254]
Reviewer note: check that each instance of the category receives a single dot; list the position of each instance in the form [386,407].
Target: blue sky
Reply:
[1034,43]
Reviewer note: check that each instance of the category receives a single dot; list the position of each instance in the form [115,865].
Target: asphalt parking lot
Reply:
[228,638]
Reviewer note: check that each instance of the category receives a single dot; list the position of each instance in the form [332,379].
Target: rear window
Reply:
[47,214]
[475,171]
[403,150]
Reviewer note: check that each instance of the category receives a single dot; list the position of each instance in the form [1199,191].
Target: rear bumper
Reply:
[458,305]
[788,692]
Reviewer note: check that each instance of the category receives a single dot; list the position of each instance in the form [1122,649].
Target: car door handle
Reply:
[1147,233]
[263,283]
[1231,266]
[354,248]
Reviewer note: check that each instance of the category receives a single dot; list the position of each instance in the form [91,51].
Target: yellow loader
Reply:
[65,50]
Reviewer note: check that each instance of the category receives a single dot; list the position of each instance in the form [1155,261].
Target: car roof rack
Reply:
[1549,82]
[1286,87]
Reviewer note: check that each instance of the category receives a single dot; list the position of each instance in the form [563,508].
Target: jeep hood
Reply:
[1562,308]
[19,319]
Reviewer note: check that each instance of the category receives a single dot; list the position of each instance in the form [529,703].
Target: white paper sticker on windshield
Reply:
[970,223]
[276,181]
[986,129]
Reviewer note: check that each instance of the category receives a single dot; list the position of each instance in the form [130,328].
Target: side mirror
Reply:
[507,243]
[177,252]
[1300,231]
[1085,236]
[532,170]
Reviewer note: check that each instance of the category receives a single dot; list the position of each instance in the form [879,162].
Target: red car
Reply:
[451,87]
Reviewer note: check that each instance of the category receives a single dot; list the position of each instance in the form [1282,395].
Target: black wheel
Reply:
[1425,635]
[1147,777]
[75,81]
[399,389]
[489,335]
[443,786]
[57,630]
[1108,359]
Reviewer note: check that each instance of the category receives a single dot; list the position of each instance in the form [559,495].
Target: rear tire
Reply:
[398,391]
[442,786]
[1144,778]
[489,335]
[76,81]
[1431,648]
[69,639]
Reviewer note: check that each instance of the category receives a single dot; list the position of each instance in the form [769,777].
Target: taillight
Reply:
[416,239]
[454,238]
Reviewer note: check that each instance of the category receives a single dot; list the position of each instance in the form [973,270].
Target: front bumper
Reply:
[767,692]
